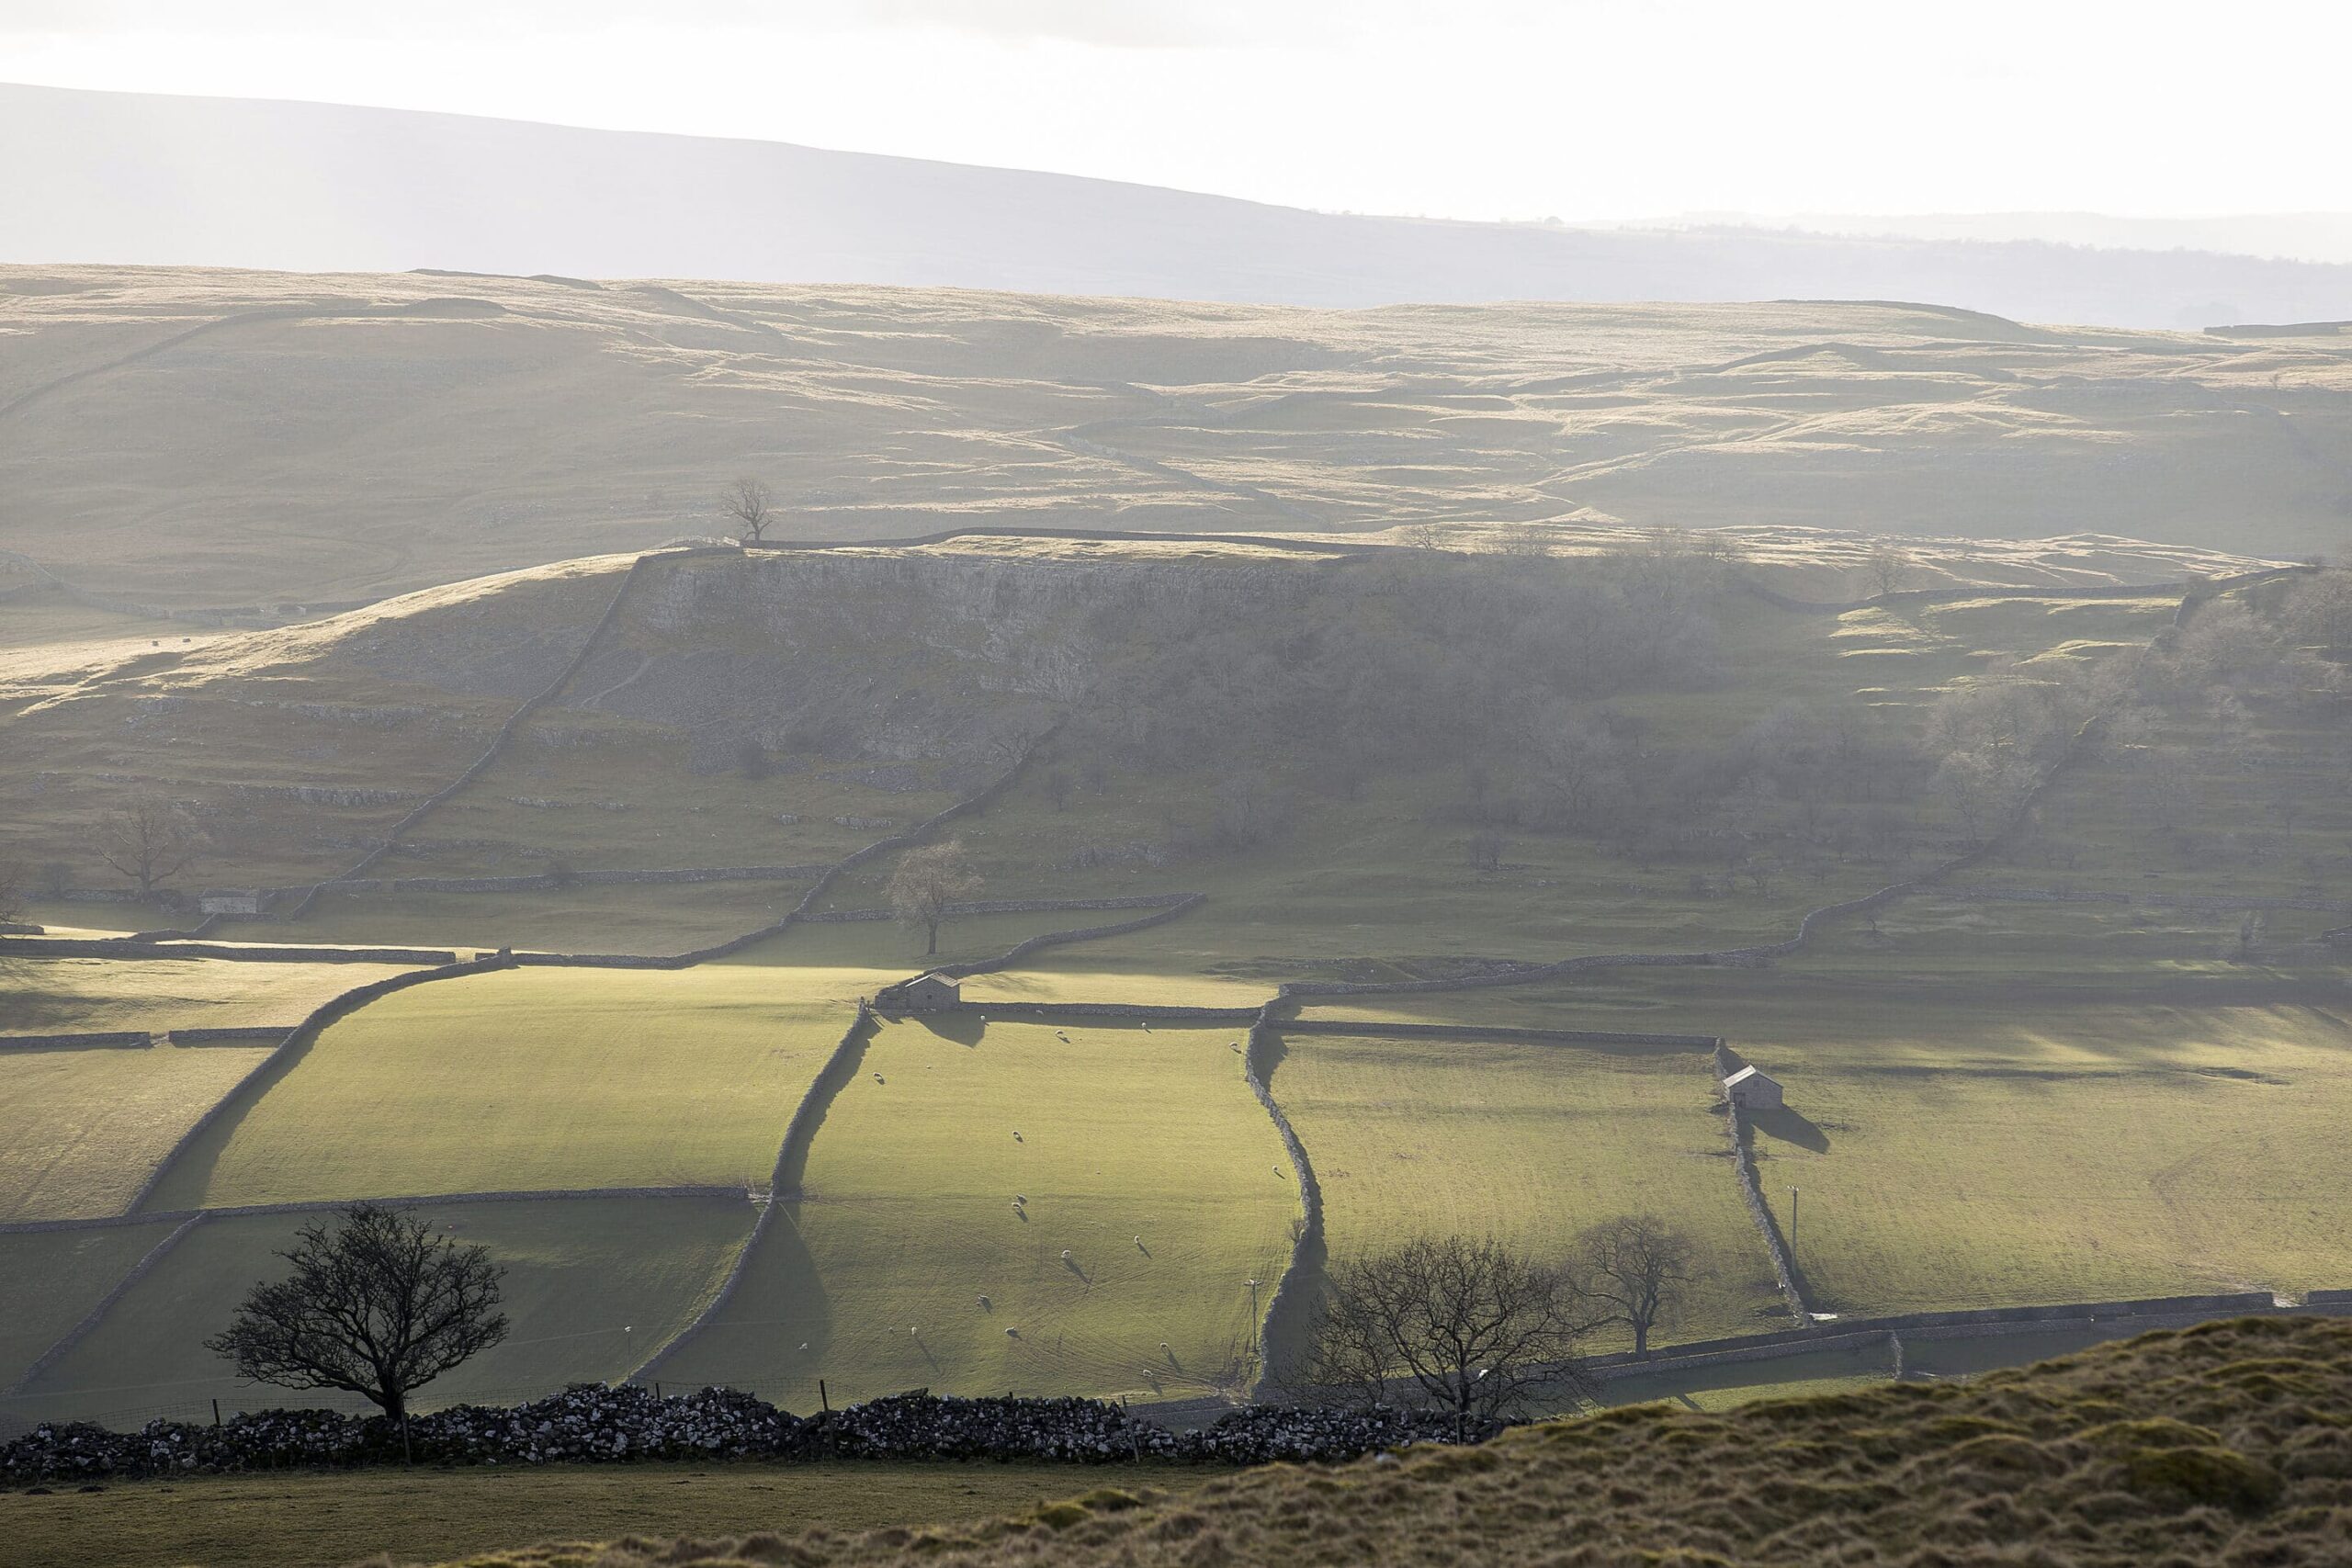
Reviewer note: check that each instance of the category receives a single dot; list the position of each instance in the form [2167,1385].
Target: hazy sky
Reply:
[1467,108]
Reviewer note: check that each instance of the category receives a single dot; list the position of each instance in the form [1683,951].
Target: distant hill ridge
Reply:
[139,178]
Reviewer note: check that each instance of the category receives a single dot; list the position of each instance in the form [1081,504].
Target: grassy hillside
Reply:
[271,460]
[2216,1445]
[1154,1187]
[300,1521]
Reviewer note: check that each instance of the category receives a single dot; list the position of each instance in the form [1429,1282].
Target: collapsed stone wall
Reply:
[629,1423]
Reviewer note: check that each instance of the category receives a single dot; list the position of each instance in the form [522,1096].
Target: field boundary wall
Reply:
[238,953]
[490,754]
[1284,1321]
[109,1039]
[791,1160]
[1506,1033]
[233,1034]
[1751,1191]
[91,1319]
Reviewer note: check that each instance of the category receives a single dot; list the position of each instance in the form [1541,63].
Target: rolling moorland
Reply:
[1407,873]
[383,189]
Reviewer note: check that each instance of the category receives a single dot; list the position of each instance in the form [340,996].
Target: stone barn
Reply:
[1754,1089]
[926,993]
[231,901]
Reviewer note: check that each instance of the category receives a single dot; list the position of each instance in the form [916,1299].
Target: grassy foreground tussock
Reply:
[2228,1442]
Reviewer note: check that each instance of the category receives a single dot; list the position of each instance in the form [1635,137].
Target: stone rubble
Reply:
[593,1423]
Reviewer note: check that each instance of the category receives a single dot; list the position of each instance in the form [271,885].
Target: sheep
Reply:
[879,1078]
[1021,1198]
[1065,1254]
[984,1300]
[1016,1135]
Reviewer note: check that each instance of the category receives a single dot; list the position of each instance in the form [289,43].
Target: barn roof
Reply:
[1747,1074]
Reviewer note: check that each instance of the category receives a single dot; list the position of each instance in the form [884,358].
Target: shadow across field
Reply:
[1790,1127]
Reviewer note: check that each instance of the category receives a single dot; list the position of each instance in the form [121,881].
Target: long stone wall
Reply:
[237,1034]
[498,740]
[1017,906]
[238,953]
[96,1315]
[1289,1311]
[112,1040]
[1504,1032]
[783,1180]
[1751,1191]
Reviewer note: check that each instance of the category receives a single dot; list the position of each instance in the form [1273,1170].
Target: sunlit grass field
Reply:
[1979,1136]
[592,1285]
[74,995]
[1531,1145]
[532,1078]
[1142,1155]
[81,1130]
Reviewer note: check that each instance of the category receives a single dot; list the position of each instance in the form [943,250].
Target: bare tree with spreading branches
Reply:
[1470,1327]
[151,842]
[1637,1269]
[753,505]
[15,889]
[1887,568]
[379,1307]
[928,879]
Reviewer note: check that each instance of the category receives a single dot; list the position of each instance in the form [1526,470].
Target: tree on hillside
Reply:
[1637,1270]
[379,1305]
[928,879]
[753,505]
[15,889]
[151,842]
[1887,568]
[1470,1326]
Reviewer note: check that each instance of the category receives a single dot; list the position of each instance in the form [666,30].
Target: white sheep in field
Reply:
[1019,1198]
[984,1300]
[1065,1255]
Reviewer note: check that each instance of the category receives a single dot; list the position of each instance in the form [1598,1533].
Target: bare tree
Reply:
[1887,568]
[1470,1326]
[379,1307]
[1484,850]
[928,879]
[753,505]
[150,842]
[1637,1267]
[1058,788]
[15,889]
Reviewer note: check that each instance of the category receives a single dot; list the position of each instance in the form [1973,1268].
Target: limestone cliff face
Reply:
[904,656]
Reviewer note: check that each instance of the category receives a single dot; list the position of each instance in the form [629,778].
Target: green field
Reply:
[83,1128]
[50,1280]
[1531,1145]
[591,1286]
[1962,1137]
[530,1078]
[76,996]
[907,1219]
